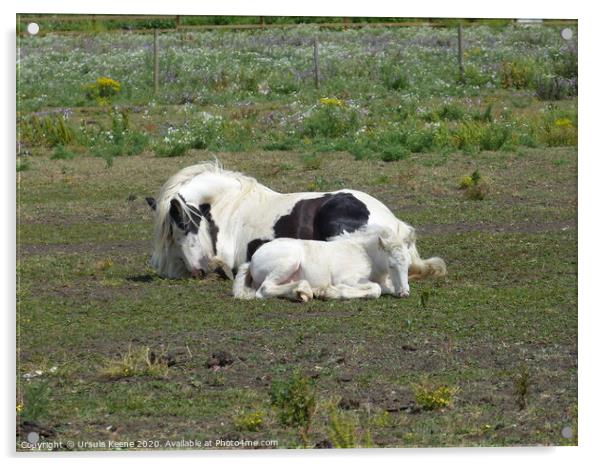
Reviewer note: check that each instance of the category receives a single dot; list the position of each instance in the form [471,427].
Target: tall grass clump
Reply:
[36,402]
[49,131]
[394,77]
[559,127]
[555,87]
[135,362]
[117,140]
[295,402]
[345,431]
[518,74]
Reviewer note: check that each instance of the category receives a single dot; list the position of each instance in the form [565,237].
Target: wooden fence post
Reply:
[316,64]
[461,52]
[155,61]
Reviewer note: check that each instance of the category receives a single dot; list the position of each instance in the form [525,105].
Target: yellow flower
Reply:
[19,407]
[563,123]
[107,83]
[331,101]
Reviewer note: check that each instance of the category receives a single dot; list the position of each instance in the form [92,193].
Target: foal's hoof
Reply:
[304,294]
[403,294]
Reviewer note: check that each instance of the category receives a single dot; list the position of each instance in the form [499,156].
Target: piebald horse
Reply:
[208,218]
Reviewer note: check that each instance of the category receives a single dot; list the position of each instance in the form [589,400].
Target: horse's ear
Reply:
[175,212]
[151,202]
[382,242]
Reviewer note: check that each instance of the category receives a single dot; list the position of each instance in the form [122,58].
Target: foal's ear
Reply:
[151,202]
[382,242]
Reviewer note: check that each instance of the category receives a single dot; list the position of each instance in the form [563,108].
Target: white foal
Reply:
[363,264]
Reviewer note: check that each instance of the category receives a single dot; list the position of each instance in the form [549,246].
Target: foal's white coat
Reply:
[363,264]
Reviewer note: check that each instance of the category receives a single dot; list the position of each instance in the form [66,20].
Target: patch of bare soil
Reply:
[514,227]
[120,247]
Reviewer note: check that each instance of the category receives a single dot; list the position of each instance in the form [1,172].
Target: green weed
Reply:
[432,397]
[331,118]
[61,153]
[36,401]
[522,383]
[135,362]
[294,400]
[344,430]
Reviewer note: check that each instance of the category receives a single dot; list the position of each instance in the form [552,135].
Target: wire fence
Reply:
[65,24]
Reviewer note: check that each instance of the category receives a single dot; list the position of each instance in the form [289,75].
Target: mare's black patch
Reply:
[186,223]
[254,245]
[341,212]
[190,224]
[323,217]
[205,211]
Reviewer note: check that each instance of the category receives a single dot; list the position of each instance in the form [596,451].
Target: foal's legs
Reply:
[283,281]
[341,291]
[297,291]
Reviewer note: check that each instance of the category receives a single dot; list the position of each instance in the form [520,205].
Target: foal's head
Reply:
[397,261]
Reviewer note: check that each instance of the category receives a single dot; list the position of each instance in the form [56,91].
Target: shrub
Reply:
[102,90]
[516,74]
[476,188]
[559,132]
[567,65]
[331,118]
[344,430]
[465,182]
[118,140]
[249,421]
[474,76]
[449,112]
[467,136]
[36,401]
[49,131]
[295,400]
[494,136]
[555,88]
[486,116]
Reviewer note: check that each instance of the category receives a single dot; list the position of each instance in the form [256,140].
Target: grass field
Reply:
[108,351]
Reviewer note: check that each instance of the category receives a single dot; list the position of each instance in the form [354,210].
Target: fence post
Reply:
[461,52]
[155,61]
[316,64]
[262,21]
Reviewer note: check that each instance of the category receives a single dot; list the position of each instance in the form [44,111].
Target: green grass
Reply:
[87,295]
[391,119]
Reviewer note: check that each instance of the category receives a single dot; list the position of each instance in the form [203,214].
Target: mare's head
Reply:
[183,245]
